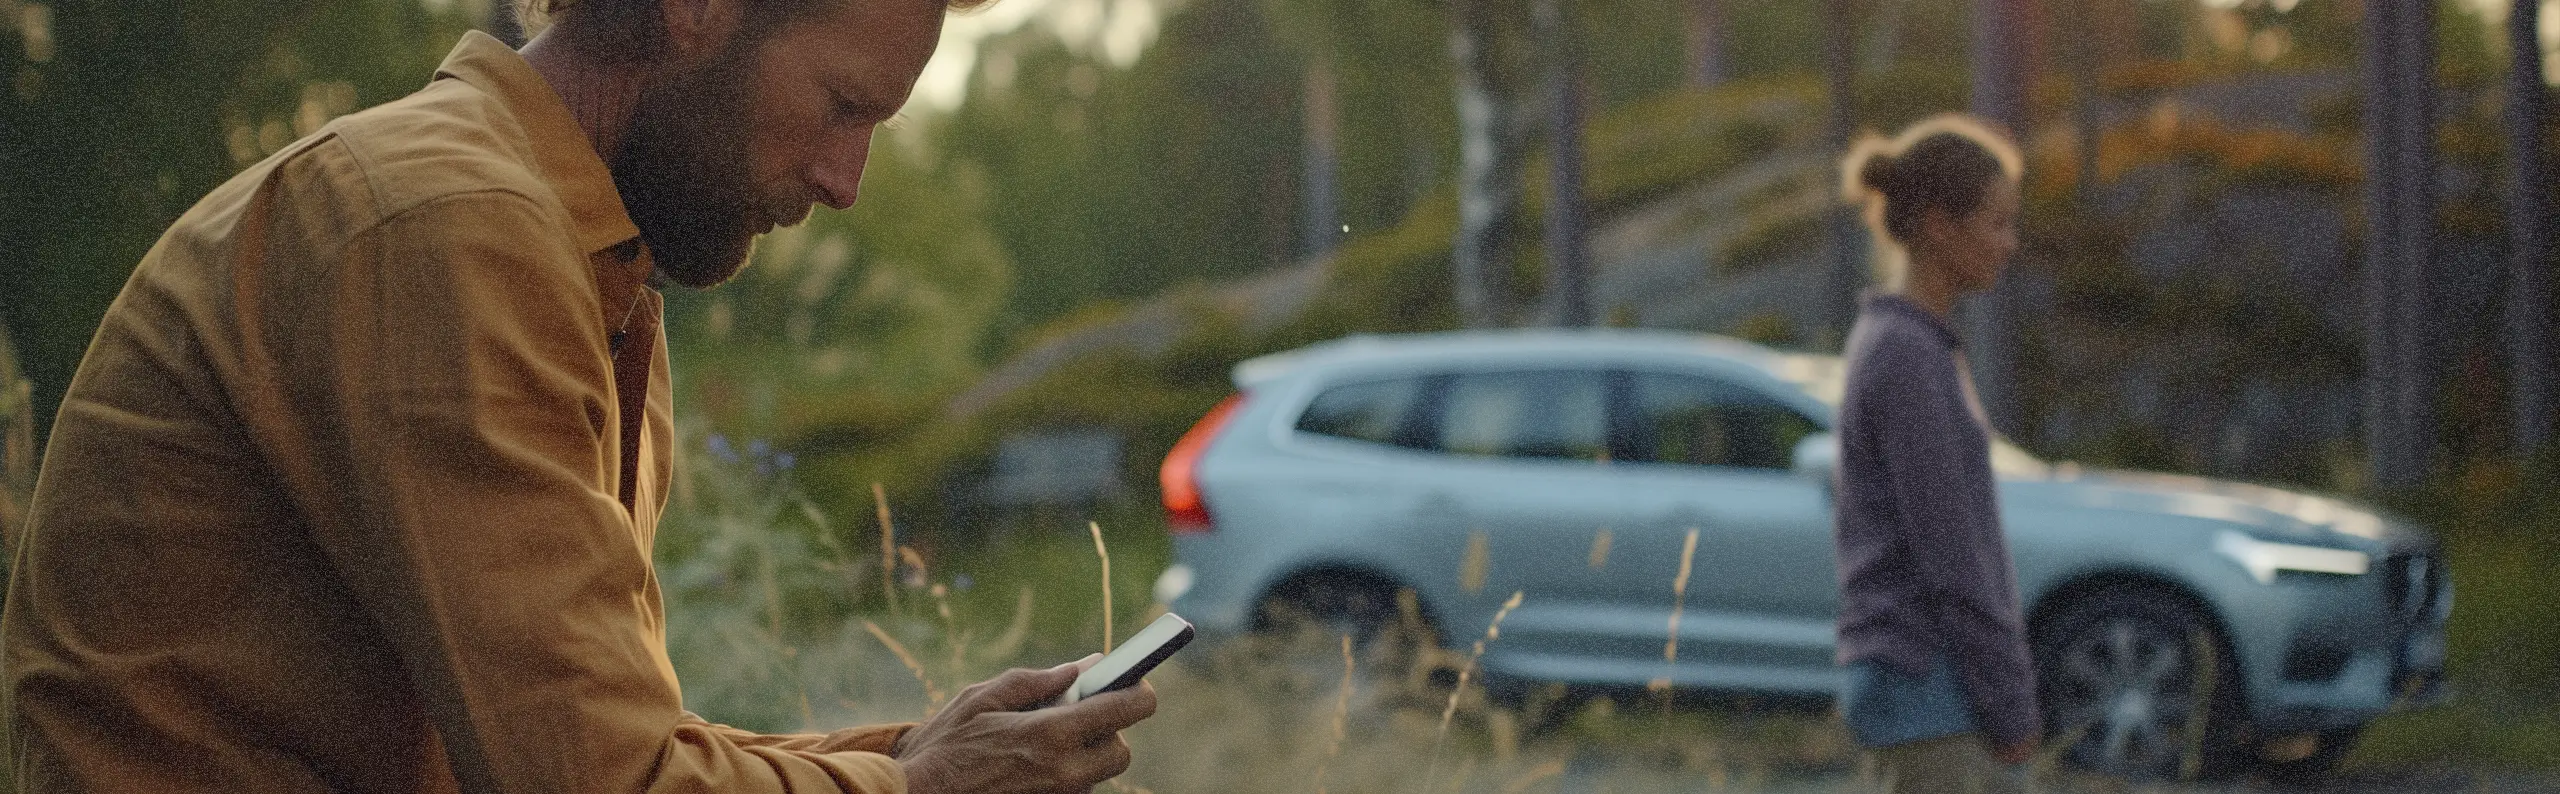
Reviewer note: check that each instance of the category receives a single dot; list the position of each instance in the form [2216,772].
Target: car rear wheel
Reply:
[2136,683]
[1394,646]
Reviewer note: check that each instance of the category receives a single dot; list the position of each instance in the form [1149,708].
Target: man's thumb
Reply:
[1024,689]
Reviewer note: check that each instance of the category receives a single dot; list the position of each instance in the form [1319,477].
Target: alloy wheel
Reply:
[2132,685]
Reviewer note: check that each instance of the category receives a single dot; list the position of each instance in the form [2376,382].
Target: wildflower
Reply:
[719,446]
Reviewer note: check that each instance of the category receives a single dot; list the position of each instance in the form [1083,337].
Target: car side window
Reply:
[1554,414]
[1695,421]
[1378,411]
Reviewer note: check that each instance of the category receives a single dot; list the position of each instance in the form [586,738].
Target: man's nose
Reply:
[838,172]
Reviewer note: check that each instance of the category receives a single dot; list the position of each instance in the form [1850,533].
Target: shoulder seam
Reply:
[452,196]
[368,167]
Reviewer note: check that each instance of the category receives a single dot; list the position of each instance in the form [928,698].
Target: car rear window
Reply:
[1376,411]
[1695,421]
[1542,414]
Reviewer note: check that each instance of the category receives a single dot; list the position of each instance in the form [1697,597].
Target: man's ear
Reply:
[698,30]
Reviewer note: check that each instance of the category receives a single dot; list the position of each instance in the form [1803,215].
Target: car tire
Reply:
[2137,683]
[1540,708]
[1392,637]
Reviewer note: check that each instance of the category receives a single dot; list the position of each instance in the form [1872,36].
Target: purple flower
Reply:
[719,446]
[784,461]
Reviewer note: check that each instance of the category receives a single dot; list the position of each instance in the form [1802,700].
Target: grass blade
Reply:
[1104,552]
[888,549]
[932,694]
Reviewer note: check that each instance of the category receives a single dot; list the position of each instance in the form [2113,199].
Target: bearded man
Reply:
[356,487]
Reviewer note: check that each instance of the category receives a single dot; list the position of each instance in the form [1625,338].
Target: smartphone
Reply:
[1124,666]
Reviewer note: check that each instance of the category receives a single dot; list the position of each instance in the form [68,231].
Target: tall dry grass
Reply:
[781,620]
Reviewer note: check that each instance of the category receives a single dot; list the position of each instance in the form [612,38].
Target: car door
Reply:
[1709,453]
[1521,484]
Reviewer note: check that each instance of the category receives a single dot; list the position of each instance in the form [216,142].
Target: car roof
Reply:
[1806,370]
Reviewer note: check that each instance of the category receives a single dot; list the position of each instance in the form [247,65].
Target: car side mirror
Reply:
[1817,457]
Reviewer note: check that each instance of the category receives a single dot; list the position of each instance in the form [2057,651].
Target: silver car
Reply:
[1573,467]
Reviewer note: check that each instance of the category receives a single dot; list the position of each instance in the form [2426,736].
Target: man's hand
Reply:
[987,740]
[2017,753]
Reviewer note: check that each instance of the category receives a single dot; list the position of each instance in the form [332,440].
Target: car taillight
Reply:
[1184,508]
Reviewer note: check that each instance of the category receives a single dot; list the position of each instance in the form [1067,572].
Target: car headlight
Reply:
[2262,559]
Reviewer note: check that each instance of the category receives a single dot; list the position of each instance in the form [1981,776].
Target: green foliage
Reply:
[2500,524]
[1388,280]
[773,592]
[855,321]
[760,587]
[135,109]
[1111,184]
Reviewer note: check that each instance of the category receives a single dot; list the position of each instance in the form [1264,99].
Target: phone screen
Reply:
[1124,666]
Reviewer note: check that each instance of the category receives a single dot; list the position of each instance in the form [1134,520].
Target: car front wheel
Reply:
[2136,683]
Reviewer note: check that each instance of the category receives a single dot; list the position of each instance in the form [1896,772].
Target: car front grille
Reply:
[2418,592]
[2412,583]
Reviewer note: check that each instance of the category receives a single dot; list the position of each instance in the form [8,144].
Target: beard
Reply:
[683,174]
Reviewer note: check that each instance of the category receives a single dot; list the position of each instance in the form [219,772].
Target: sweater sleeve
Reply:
[1937,456]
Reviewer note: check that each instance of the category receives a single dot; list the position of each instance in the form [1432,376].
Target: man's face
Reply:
[752,139]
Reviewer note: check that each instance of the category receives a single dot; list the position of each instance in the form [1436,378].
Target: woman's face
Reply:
[1982,242]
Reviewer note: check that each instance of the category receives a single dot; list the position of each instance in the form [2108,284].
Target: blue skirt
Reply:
[1885,706]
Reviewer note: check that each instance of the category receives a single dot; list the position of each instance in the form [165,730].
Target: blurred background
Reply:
[2297,242]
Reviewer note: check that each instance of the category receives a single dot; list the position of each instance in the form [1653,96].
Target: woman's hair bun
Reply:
[1877,172]
[1945,162]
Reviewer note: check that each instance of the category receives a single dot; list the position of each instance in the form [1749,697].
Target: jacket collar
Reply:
[562,152]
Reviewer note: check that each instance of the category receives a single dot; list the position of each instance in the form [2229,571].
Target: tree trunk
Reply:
[1848,243]
[1708,25]
[2399,205]
[1488,167]
[1568,264]
[1884,38]
[1999,87]
[2529,230]
[2086,104]
[1322,186]
[1998,97]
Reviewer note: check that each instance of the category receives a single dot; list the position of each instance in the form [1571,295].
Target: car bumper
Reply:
[1208,586]
[2339,666]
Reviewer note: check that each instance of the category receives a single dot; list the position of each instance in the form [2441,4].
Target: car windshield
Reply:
[1825,379]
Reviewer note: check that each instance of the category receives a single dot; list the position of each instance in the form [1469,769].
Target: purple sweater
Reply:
[1924,568]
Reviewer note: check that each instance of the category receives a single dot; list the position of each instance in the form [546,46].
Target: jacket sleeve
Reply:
[1938,460]
[868,738]
[452,392]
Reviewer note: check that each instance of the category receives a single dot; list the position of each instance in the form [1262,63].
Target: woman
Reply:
[1938,686]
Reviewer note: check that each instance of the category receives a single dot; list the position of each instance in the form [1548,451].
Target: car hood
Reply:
[2272,513]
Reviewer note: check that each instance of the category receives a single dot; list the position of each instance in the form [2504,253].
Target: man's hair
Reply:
[634,29]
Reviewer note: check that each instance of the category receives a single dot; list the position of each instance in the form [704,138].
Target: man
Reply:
[356,487]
